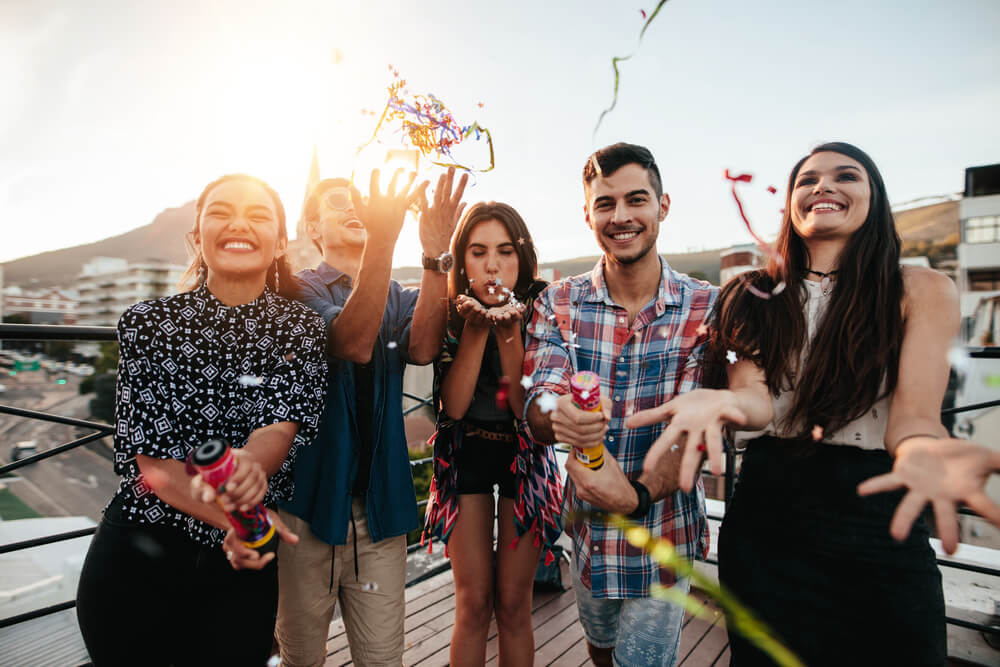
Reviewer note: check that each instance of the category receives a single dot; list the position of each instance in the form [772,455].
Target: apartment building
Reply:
[109,285]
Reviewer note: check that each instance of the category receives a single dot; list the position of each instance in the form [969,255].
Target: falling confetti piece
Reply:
[617,59]
[731,357]
[503,391]
[427,125]
[526,382]
[701,447]
[392,345]
[702,330]
[780,287]
[274,661]
[643,12]
[520,240]
[992,381]
[491,289]
[547,402]
[369,587]
[250,380]
[674,447]
[817,432]
[584,394]
[637,536]
[772,189]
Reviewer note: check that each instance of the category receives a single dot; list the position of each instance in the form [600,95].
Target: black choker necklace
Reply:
[826,279]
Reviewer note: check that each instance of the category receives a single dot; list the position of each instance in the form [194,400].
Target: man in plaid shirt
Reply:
[640,326]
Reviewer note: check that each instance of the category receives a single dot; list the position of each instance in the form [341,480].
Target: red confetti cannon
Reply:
[586,389]
[215,461]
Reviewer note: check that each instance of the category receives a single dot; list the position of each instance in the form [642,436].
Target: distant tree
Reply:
[108,361]
[699,275]
[15,318]
[61,350]
[102,406]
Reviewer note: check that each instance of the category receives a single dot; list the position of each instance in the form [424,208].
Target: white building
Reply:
[979,242]
[41,306]
[740,259]
[109,285]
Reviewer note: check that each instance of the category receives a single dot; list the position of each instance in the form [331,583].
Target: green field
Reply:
[11,507]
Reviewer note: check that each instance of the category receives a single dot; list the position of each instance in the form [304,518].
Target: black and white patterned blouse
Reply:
[192,368]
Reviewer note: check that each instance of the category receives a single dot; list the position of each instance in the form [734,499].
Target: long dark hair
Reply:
[856,345]
[527,259]
[286,273]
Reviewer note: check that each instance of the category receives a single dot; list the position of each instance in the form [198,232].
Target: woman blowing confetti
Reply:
[481,440]
[842,372]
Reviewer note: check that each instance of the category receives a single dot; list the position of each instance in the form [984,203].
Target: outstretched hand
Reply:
[438,221]
[383,214]
[695,425]
[943,472]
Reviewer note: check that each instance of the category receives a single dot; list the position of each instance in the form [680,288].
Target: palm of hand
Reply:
[942,468]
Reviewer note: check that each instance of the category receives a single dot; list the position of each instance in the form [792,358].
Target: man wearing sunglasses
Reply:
[354,500]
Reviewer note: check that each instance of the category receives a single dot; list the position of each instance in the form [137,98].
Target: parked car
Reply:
[23,450]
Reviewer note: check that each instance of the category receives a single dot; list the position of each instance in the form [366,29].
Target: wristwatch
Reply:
[642,509]
[440,264]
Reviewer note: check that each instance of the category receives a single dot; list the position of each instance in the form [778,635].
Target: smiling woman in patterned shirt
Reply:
[232,358]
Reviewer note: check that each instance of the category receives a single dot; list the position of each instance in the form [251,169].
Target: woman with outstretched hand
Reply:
[230,358]
[838,373]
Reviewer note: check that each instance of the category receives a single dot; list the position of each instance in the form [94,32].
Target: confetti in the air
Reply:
[274,661]
[526,382]
[674,447]
[702,330]
[547,402]
[817,432]
[780,287]
[426,124]
[584,394]
[503,391]
[392,345]
[369,587]
[250,380]
[731,357]
[520,240]
[772,189]
[617,59]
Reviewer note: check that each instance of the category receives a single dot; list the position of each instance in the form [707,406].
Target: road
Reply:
[75,483]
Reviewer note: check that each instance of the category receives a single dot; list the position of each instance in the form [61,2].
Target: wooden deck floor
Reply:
[430,613]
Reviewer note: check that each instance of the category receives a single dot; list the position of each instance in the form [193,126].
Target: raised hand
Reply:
[438,221]
[695,418]
[383,214]
[943,472]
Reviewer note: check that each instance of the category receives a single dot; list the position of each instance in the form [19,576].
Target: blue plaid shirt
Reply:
[641,366]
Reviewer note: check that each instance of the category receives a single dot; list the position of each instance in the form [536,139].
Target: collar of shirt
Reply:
[208,303]
[668,293]
[329,275]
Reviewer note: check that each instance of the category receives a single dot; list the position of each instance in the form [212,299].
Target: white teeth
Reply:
[624,236]
[239,245]
[827,206]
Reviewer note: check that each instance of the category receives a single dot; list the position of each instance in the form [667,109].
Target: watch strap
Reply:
[645,501]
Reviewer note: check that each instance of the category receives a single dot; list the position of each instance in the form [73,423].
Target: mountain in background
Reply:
[927,230]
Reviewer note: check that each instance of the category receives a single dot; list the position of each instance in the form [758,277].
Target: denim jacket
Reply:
[324,473]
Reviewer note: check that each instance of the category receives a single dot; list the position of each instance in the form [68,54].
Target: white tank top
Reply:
[866,432]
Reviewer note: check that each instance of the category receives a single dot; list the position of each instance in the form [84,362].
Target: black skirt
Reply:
[816,563]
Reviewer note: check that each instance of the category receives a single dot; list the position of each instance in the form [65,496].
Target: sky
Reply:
[113,111]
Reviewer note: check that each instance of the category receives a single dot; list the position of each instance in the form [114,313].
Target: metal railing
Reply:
[26,332]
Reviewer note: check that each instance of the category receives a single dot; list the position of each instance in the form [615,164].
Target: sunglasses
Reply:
[339,200]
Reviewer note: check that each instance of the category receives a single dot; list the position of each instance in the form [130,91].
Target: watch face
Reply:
[445,262]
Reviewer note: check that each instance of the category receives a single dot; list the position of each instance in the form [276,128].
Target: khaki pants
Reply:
[372,603]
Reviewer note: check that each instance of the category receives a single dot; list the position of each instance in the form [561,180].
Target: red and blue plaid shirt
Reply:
[641,366]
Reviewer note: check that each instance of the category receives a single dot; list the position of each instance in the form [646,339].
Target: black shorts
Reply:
[485,458]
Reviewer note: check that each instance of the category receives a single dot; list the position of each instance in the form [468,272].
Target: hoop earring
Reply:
[276,281]
[202,272]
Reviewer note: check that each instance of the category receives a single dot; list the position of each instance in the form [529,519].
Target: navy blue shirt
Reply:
[325,473]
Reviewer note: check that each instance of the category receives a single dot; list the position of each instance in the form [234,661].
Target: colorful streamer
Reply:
[738,617]
[617,59]
[780,287]
[428,126]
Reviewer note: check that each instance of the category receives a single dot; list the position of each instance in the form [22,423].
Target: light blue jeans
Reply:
[643,631]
